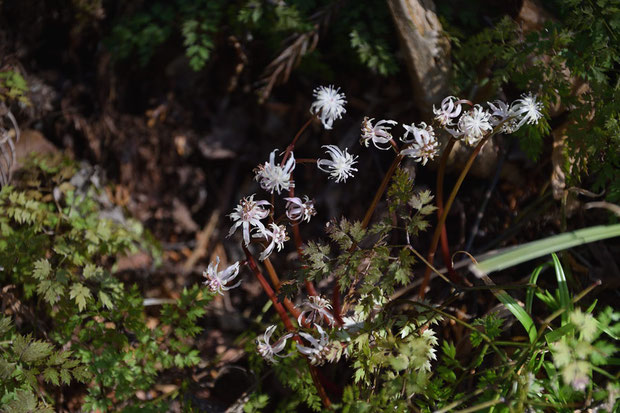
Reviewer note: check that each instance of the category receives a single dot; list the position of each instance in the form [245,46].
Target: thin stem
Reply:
[275,280]
[464,324]
[381,190]
[287,322]
[319,387]
[365,222]
[442,218]
[268,290]
[291,146]
[481,406]
[299,245]
[439,196]
[305,160]
[276,283]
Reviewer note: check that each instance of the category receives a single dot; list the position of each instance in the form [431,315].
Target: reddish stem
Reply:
[276,283]
[445,249]
[287,322]
[299,245]
[444,214]
[291,146]
[268,290]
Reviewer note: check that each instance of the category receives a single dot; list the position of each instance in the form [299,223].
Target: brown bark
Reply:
[426,50]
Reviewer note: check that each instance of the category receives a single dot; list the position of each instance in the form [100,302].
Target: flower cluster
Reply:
[470,126]
[322,334]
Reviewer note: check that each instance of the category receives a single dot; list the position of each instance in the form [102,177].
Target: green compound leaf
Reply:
[80,293]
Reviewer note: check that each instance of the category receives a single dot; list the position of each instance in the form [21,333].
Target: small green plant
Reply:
[58,246]
[23,360]
[13,87]
[368,34]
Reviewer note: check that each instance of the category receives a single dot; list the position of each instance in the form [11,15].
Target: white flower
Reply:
[296,210]
[328,105]
[424,145]
[528,109]
[341,164]
[278,236]
[217,280]
[319,350]
[268,351]
[503,114]
[275,177]
[248,213]
[474,124]
[318,308]
[450,108]
[377,134]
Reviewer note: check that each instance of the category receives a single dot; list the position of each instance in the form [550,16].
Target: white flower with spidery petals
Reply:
[319,349]
[318,309]
[328,105]
[528,109]
[298,210]
[248,214]
[217,280]
[267,350]
[273,177]
[378,133]
[340,167]
[424,145]
[474,124]
[277,236]
[503,114]
[450,108]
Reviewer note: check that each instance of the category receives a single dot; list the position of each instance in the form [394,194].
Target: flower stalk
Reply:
[444,214]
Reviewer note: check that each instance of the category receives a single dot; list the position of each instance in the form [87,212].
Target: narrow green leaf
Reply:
[529,298]
[525,252]
[565,301]
[516,310]
[557,334]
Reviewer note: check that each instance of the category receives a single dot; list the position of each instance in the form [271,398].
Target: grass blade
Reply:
[565,301]
[532,250]
[518,311]
[529,298]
